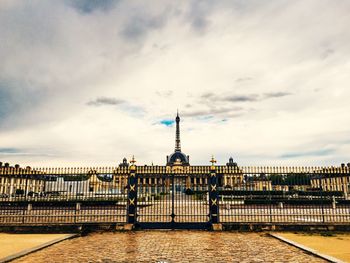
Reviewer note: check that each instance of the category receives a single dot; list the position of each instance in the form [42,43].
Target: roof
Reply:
[178,156]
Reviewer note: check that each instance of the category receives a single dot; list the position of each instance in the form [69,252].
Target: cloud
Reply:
[208,95]
[241,98]
[122,66]
[327,53]
[101,101]
[24,152]
[198,15]
[90,6]
[276,94]
[125,106]
[211,111]
[5,102]
[18,98]
[323,152]
[8,150]
[225,110]
[137,27]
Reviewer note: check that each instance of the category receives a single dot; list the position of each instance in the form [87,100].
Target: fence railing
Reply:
[162,194]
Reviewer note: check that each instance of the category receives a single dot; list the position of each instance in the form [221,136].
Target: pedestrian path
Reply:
[334,246]
[15,245]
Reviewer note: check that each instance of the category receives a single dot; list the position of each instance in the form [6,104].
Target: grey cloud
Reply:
[199,12]
[198,15]
[123,105]
[211,100]
[327,53]
[207,95]
[322,152]
[276,94]
[105,101]
[8,150]
[6,102]
[17,100]
[195,113]
[160,47]
[90,6]
[211,111]
[241,98]
[138,26]
[26,154]
[200,23]
[51,43]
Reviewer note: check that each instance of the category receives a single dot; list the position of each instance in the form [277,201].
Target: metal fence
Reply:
[171,197]
[62,196]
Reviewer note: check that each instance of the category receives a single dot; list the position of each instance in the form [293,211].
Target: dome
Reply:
[178,156]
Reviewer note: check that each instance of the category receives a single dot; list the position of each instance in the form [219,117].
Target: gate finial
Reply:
[133,161]
[213,161]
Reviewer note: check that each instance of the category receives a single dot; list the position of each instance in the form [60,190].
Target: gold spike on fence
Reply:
[253,170]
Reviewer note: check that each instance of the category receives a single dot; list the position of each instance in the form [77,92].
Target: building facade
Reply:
[17,181]
[91,181]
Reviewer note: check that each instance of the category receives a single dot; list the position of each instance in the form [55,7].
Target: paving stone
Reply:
[171,247]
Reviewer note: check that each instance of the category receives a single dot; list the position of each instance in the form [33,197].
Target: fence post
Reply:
[213,197]
[321,194]
[132,195]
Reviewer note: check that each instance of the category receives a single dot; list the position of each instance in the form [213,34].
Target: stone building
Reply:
[68,187]
[233,177]
[152,179]
[333,179]
[258,183]
[17,181]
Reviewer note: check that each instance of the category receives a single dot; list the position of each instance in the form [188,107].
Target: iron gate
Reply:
[172,201]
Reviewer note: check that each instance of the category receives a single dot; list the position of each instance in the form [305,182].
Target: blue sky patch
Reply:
[167,122]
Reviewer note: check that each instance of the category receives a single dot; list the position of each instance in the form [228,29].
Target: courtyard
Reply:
[171,246]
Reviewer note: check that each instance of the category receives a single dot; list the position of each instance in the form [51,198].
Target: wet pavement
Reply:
[171,246]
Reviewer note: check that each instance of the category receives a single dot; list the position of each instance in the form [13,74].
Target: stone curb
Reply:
[34,249]
[307,249]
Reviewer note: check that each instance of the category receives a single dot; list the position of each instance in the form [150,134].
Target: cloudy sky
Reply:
[89,82]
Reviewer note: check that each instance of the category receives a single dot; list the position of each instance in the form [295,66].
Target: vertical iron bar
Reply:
[172,198]
[321,195]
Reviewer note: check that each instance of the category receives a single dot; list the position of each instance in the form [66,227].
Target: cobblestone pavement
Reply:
[171,246]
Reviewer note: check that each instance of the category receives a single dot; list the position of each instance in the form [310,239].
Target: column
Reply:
[213,196]
[132,194]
